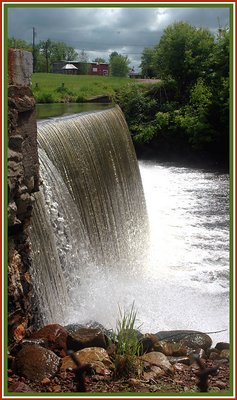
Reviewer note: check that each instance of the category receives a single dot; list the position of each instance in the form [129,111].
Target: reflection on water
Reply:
[44,111]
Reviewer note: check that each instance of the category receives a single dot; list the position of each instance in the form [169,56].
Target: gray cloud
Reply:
[101,30]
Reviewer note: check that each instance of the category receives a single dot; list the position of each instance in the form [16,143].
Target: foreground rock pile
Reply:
[170,362]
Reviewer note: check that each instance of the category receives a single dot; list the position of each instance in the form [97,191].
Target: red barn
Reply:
[98,69]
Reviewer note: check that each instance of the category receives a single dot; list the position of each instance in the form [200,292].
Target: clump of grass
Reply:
[128,346]
[44,97]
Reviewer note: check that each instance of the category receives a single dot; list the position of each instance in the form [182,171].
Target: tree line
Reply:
[47,52]
[187,113]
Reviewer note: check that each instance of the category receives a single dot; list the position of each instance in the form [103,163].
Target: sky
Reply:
[101,30]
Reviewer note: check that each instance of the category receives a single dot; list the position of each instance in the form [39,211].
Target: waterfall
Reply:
[90,214]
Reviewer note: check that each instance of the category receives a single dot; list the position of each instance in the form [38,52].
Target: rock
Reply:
[36,363]
[171,348]
[86,337]
[96,356]
[192,339]
[19,387]
[154,373]
[220,384]
[181,360]
[134,382]
[222,346]
[148,342]
[15,142]
[55,335]
[214,355]
[225,354]
[158,359]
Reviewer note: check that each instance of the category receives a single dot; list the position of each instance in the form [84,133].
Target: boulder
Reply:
[96,356]
[158,359]
[36,363]
[193,339]
[86,337]
[222,346]
[55,336]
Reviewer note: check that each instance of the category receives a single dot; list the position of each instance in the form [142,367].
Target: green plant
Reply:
[128,345]
[44,97]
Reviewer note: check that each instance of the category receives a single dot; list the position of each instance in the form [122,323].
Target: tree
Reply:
[99,60]
[119,65]
[14,43]
[184,54]
[83,58]
[147,62]
[49,51]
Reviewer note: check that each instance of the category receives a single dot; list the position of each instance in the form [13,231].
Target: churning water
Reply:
[185,281]
[101,255]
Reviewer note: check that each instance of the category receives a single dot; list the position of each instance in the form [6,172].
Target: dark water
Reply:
[44,111]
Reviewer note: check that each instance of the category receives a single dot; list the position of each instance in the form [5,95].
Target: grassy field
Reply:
[54,88]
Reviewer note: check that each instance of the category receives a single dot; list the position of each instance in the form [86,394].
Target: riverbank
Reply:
[169,362]
[60,88]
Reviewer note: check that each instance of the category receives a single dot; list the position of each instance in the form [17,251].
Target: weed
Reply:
[128,346]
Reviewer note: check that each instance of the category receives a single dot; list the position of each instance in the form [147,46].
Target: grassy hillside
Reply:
[53,88]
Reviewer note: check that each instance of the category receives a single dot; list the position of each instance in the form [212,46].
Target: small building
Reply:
[134,75]
[101,69]
[75,67]
[70,69]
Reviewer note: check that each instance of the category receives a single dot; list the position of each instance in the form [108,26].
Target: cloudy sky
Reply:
[100,30]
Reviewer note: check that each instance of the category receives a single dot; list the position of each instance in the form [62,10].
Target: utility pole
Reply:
[33,50]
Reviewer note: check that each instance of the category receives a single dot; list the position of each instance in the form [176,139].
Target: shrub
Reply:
[44,97]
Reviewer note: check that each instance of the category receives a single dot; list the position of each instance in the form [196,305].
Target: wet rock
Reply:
[19,387]
[192,339]
[55,335]
[222,346]
[158,359]
[36,363]
[86,337]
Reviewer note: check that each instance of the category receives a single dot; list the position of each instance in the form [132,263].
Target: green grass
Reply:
[54,88]
[128,346]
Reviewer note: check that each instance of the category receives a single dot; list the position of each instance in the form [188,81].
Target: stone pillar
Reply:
[23,180]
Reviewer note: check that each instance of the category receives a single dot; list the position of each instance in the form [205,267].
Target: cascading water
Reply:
[93,204]
[91,246]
